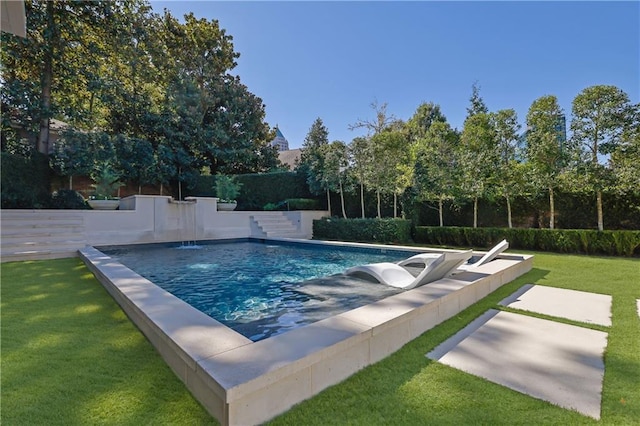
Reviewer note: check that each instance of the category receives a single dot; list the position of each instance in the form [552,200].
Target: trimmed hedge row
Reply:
[259,189]
[586,241]
[25,181]
[363,230]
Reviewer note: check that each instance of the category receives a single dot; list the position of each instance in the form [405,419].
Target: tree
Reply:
[425,116]
[72,155]
[626,156]
[335,164]
[312,157]
[361,163]
[49,73]
[546,150]
[391,155]
[135,160]
[435,174]
[377,125]
[477,105]
[600,115]
[477,159]
[508,181]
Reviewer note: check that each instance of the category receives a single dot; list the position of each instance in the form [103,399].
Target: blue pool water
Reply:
[261,289]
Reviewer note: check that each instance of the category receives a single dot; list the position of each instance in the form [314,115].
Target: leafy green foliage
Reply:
[612,243]
[227,188]
[258,189]
[67,199]
[364,230]
[25,181]
[294,204]
[600,115]
[106,182]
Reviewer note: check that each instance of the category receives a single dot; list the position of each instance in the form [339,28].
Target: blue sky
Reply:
[333,59]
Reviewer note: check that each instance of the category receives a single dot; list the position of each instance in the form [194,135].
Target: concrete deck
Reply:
[559,363]
[575,305]
[243,383]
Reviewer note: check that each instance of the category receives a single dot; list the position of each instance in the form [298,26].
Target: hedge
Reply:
[363,230]
[586,241]
[25,181]
[259,189]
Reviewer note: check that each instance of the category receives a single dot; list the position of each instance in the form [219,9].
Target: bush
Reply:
[260,189]
[586,241]
[68,199]
[363,230]
[25,181]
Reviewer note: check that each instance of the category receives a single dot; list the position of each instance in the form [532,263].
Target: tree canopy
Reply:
[121,69]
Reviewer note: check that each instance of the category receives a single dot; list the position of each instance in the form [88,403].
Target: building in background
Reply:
[280,141]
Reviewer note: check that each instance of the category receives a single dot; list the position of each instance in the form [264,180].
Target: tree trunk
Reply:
[509,211]
[139,189]
[395,205]
[475,212]
[70,181]
[552,207]
[344,214]
[599,205]
[161,188]
[46,81]
[362,198]
[378,194]
[328,202]
[440,212]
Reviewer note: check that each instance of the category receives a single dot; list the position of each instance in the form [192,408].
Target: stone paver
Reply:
[562,303]
[555,362]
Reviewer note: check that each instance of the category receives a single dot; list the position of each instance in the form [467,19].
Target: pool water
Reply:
[261,289]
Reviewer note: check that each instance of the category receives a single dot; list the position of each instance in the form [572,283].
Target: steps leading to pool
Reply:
[43,234]
[273,224]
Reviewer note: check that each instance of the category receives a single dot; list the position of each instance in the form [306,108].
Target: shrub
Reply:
[363,230]
[25,181]
[587,241]
[68,199]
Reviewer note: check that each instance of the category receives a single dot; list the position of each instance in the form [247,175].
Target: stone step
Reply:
[41,222]
[41,231]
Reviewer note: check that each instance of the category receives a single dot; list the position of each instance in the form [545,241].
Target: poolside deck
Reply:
[242,382]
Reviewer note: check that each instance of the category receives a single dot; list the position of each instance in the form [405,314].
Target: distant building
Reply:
[290,158]
[280,141]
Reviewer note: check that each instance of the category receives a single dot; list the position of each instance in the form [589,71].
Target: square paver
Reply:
[575,305]
[559,363]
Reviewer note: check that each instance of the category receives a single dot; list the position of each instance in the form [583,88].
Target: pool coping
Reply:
[243,382]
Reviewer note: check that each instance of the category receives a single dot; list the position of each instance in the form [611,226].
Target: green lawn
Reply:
[70,356]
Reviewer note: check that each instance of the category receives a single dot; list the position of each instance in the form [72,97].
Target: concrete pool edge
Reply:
[242,382]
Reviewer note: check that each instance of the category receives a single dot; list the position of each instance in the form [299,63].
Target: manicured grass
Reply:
[70,356]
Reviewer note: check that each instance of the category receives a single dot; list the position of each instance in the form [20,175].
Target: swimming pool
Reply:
[261,289]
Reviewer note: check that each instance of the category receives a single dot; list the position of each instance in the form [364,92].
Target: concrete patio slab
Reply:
[575,305]
[559,363]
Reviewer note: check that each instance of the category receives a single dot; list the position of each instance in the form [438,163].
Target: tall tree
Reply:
[546,151]
[312,157]
[626,156]
[425,116]
[48,74]
[436,164]
[508,182]
[476,103]
[335,165]
[477,158]
[381,121]
[361,160]
[600,115]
